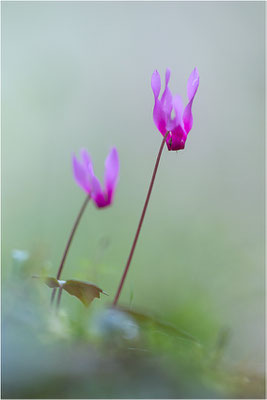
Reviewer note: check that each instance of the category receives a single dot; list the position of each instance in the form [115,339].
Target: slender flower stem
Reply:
[76,223]
[59,297]
[140,222]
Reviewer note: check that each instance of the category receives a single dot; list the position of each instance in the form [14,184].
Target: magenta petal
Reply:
[155,83]
[166,99]
[159,117]
[167,76]
[97,193]
[192,87]
[112,167]
[167,103]
[188,117]
[162,108]
[80,175]
[178,108]
[85,157]
[87,162]
[177,139]
[192,84]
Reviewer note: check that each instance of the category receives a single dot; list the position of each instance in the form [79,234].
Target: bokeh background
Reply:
[77,74]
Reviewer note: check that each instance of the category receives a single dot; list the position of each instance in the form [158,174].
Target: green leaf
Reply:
[84,291]
[167,327]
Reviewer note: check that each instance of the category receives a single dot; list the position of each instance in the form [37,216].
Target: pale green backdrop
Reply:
[77,74]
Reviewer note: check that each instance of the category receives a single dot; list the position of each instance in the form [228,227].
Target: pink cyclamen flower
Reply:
[85,177]
[181,123]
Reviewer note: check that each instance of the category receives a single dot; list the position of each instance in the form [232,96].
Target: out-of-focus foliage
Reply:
[102,352]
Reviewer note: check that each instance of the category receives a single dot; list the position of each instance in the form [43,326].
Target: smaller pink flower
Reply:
[86,179]
[181,123]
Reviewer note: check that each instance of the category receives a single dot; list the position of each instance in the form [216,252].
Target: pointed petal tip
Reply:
[155,77]
[192,84]
[85,156]
[167,75]
[156,83]
[168,71]
[73,158]
[195,74]
[112,157]
[112,167]
[113,151]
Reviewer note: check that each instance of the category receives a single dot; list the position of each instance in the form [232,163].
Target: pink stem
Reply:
[140,222]
[76,223]
[59,297]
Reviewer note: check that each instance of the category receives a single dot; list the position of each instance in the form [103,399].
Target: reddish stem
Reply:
[76,223]
[140,222]
[59,297]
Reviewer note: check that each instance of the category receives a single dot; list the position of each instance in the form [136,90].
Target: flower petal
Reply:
[97,193]
[192,87]
[192,84]
[85,157]
[177,139]
[178,109]
[166,99]
[167,80]
[112,166]
[159,117]
[87,162]
[167,76]
[159,112]
[155,83]
[80,175]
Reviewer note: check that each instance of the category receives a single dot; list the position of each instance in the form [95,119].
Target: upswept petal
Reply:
[112,167]
[167,76]
[86,157]
[192,87]
[159,117]
[192,84]
[97,193]
[80,175]
[166,99]
[156,83]
[188,117]
[167,80]
[178,109]
[88,164]
[167,103]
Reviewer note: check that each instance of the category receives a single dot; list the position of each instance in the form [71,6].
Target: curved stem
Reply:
[140,222]
[76,223]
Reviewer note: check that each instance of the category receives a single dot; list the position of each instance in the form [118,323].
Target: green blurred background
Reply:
[77,74]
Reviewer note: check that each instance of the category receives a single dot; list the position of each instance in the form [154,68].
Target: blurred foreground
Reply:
[102,352]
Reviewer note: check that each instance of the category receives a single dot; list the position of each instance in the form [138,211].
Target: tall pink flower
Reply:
[84,175]
[181,123]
